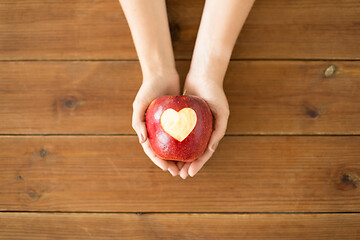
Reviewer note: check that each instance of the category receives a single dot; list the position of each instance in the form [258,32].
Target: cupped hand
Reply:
[151,88]
[213,93]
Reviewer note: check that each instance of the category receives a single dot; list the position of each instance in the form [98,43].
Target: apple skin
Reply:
[167,147]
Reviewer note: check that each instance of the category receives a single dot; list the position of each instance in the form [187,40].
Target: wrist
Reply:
[156,65]
[154,71]
[199,74]
[162,77]
[208,66]
[194,80]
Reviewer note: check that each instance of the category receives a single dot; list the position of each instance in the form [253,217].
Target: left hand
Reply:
[213,93]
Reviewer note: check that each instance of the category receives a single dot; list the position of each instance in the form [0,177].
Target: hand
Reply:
[213,93]
[152,88]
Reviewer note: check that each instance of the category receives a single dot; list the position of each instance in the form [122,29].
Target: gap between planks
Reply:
[185,59]
[218,213]
[134,135]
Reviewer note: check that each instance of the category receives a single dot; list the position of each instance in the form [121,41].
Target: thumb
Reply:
[219,130]
[140,129]
[138,120]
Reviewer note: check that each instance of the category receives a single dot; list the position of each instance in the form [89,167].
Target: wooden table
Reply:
[71,166]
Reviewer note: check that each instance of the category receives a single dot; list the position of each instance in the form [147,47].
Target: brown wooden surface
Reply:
[287,82]
[246,174]
[266,97]
[178,226]
[84,29]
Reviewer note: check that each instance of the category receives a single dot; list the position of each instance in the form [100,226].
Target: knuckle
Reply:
[220,135]
[138,102]
[135,125]
[227,112]
[223,113]
[135,104]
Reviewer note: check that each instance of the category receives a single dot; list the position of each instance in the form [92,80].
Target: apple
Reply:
[179,127]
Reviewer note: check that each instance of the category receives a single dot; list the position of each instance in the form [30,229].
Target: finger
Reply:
[173,169]
[199,163]
[180,165]
[219,130]
[184,170]
[138,120]
[141,131]
[163,164]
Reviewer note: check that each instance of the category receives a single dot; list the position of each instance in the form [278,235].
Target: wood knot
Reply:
[70,102]
[66,105]
[43,152]
[19,178]
[311,110]
[330,71]
[312,113]
[348,181]
[34,195]
[174,31]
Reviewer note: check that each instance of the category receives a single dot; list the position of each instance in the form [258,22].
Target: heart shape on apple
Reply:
[179,127]
[178,124]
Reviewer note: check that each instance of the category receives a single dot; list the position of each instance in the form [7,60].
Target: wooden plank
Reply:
[67,97]
[178,226]
[246,174]
[266,97]
[85,29]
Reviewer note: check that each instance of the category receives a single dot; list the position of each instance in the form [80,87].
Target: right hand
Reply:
[151,88]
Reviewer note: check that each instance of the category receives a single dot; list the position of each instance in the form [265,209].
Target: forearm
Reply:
[220,26]
[150,31]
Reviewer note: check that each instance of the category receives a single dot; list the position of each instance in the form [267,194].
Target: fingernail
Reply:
[192,173]
[213,147]
[171,172]
[141,138]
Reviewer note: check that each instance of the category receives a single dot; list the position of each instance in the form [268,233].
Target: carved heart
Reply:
[178,124]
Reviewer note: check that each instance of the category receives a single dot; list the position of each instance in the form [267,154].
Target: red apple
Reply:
[179,127]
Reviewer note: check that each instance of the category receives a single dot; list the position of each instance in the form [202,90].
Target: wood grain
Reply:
[254,187]
[266,97]
[84,29]
[178,226]
[246,174]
